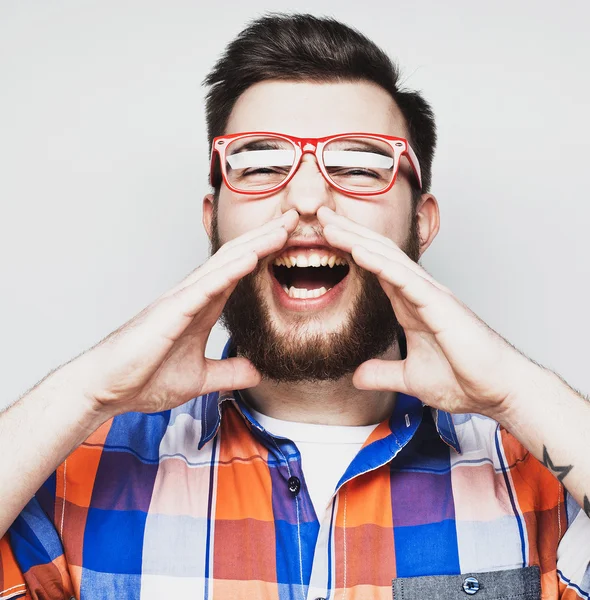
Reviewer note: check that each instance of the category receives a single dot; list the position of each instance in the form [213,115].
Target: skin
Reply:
[306,109]
[156,360]
[455,361]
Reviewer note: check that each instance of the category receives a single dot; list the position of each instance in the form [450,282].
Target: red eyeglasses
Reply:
[363,164]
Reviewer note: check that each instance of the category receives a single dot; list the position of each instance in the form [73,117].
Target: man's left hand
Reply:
[455,362]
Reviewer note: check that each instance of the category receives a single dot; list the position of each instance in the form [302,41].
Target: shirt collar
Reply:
[212,403]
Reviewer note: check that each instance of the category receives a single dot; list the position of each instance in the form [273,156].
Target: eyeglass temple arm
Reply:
[415,164]
[214,170]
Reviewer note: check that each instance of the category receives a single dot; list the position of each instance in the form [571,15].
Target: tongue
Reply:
[311,278]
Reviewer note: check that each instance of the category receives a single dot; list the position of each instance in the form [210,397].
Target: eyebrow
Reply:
[261,145]
[360,146]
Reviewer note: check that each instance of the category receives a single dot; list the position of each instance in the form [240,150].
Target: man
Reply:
[371,431]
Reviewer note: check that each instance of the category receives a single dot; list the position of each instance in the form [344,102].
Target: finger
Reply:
[412,285]
[375,240]
[209,314]
[437,309]
[379,374]
[172,315]
[230,374]
[346,240]
[195,296]
[327,216]
[261,245]
[286,222]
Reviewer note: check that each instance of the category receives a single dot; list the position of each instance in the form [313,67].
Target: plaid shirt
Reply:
[201,502]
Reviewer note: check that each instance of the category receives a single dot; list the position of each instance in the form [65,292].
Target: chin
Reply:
[310,339]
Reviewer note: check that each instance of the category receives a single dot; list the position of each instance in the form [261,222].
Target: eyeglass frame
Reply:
[399,145]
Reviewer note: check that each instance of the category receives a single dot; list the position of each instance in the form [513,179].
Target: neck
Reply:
[323,402]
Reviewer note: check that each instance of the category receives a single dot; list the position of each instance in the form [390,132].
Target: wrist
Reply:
[67,388]
[530,385]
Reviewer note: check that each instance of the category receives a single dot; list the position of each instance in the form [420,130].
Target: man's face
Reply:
[289,338]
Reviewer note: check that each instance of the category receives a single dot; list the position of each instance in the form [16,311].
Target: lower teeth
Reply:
[303,294]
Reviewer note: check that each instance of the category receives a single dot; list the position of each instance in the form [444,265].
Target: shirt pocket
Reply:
[514,584]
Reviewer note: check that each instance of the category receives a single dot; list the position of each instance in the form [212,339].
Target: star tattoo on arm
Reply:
[560,472]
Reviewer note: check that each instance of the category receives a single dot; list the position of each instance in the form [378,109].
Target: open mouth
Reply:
[306,276]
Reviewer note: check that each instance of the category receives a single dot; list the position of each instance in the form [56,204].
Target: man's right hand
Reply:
[156,360]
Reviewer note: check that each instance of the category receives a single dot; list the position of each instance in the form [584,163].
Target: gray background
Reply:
[103,162]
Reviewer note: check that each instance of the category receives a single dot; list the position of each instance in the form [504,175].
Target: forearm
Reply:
[37,434]
[553,422]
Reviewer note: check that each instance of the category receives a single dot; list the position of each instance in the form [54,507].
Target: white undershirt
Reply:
[326,451]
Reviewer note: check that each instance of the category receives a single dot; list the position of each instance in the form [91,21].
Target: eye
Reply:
[258,170]
[263,171]
[357,172]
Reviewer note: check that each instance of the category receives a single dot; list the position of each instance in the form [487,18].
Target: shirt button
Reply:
[470,585]
[294,485]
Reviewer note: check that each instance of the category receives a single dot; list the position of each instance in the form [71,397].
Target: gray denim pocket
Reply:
[515,584]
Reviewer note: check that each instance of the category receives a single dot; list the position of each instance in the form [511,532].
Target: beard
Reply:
[296,355]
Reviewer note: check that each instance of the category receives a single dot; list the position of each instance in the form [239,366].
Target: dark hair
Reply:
[301,47]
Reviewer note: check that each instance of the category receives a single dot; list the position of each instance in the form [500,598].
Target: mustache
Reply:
[308,231]
[316,233]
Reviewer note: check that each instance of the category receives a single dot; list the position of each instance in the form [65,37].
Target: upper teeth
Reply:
[313,260]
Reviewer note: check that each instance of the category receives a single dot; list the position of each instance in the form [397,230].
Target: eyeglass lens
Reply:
[259,163]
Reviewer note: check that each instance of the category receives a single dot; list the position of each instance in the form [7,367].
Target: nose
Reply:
[308,190]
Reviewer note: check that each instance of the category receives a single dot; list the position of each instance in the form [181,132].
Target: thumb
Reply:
[379,374]
[229,374]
